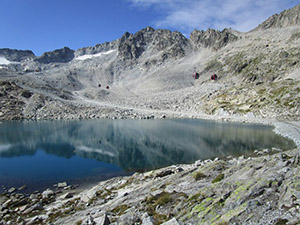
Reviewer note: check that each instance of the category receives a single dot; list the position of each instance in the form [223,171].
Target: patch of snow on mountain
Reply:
[84,57]
[4,61]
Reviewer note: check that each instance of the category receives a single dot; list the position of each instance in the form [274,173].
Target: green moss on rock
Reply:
[218,178]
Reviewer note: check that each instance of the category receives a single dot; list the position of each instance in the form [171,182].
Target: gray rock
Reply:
[11,190]
[20,202]
[34,220]
[103,220]
[89,221]
[37,206]
[148,221]
[67,195]
[164,173]
[7,203]
[171,222]
[23,187]
[48,193]
[62,185]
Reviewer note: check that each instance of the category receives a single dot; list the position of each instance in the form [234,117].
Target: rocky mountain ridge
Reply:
[290,17]
[16,55]
[258,73]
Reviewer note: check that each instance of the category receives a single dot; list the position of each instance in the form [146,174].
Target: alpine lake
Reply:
[41,154]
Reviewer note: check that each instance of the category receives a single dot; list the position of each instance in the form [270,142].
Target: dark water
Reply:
[40,154]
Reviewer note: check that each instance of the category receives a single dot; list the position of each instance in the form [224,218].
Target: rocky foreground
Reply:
[263,189]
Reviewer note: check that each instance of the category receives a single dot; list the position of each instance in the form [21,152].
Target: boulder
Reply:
[48,194]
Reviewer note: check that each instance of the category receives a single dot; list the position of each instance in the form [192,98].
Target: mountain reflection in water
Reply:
[137,144]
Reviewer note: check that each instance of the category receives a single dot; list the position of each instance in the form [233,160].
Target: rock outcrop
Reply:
[132,46]
[57,56]
[16,55]
[212,38]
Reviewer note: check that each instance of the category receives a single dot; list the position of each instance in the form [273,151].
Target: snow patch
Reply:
[84,57]
[4,61]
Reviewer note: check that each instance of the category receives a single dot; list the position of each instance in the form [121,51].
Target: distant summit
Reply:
[287,18]
[60,55]
[16,55]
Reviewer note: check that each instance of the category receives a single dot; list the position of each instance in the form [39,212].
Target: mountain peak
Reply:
[60,55]
[287,18]
[16,55]
[212,38]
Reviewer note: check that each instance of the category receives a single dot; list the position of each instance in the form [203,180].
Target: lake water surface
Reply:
[40,154]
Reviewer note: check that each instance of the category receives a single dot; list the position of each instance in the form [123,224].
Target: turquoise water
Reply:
[40,154]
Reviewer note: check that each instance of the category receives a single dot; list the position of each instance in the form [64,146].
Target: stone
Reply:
[171,222]
[34,220]
[37,206]
[147,220]
[20,202]
[62,185]
[23,187]
[11,190]
[67,195]
[89,221]
[103,220]
[48,193]
[164,173]
[7,203]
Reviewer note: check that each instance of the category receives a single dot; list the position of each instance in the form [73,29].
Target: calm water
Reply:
[40,154]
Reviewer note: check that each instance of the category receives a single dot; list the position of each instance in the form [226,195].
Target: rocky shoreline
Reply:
[254,190]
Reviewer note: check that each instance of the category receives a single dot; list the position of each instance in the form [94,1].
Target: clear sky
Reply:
[46,25]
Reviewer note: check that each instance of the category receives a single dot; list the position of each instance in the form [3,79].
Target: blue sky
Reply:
[46,25]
